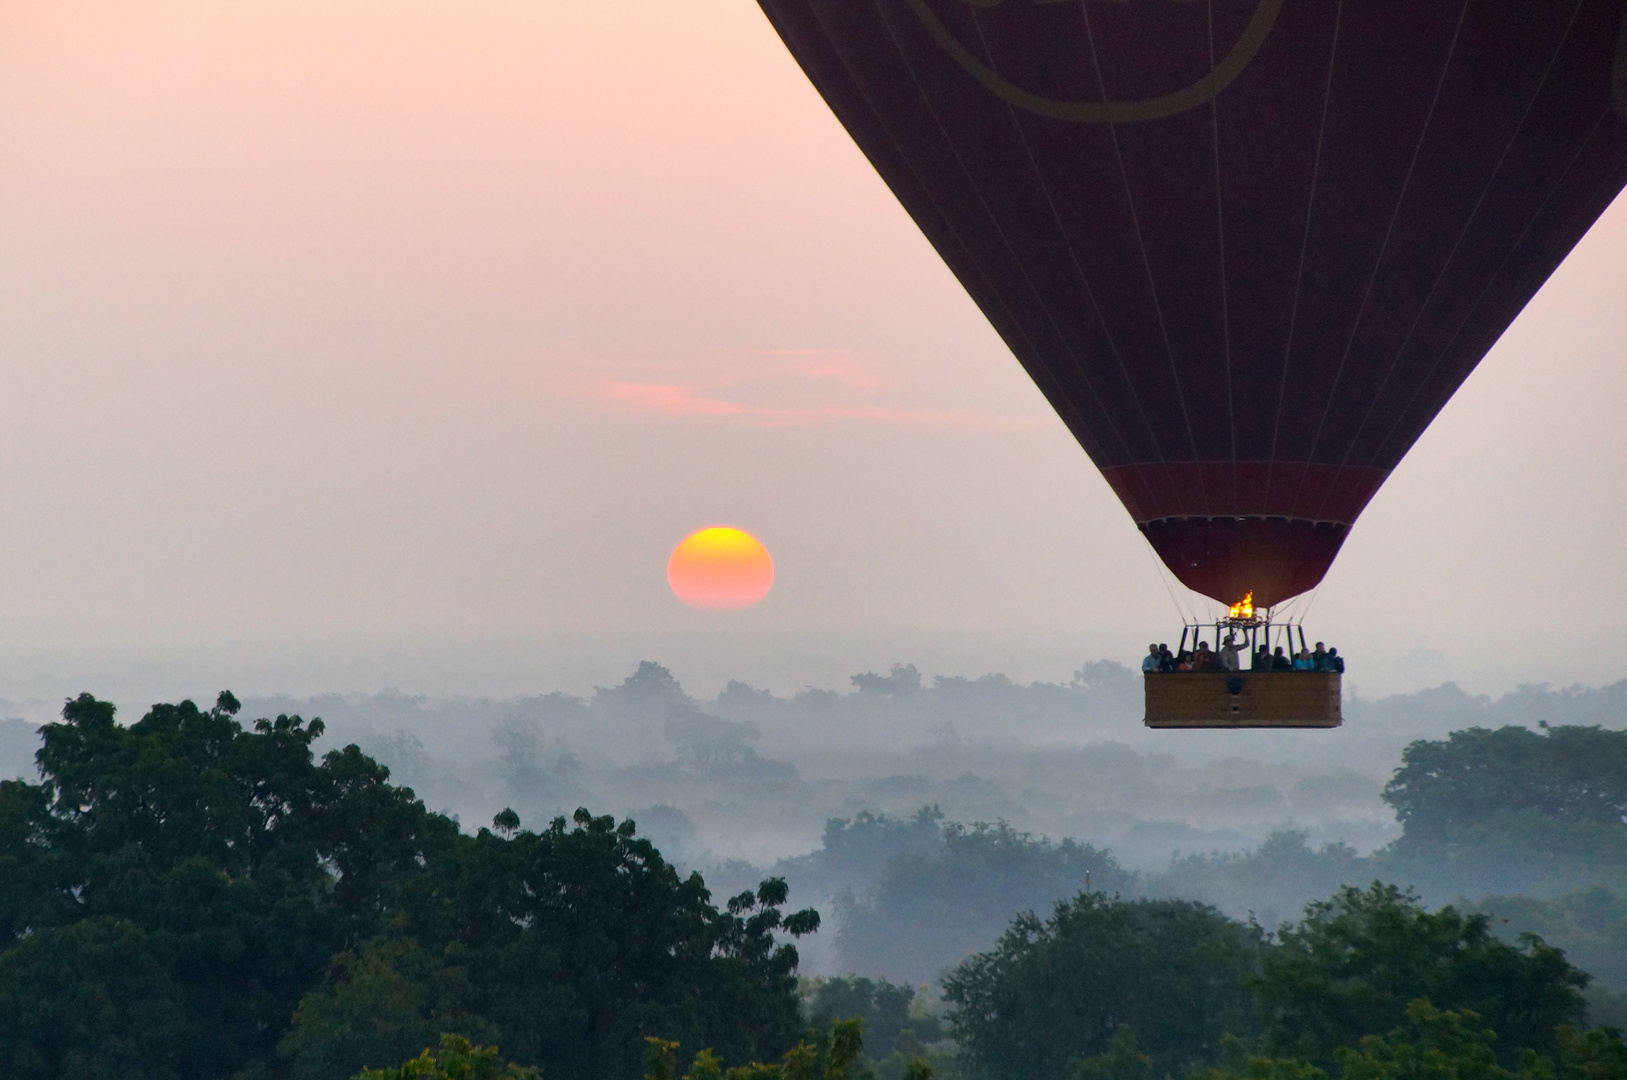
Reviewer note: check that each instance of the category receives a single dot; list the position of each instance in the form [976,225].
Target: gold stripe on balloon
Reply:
[1119,112]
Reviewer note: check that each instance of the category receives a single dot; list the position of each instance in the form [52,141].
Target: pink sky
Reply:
[357,322]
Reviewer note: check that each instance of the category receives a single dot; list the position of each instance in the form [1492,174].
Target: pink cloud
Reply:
[670,400]
[764,387]
[836,365]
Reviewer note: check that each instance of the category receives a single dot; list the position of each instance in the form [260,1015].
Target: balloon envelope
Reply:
[1247,248]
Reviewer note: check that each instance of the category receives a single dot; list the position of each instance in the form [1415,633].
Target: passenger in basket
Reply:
[1149,663]
[1336,663]
[1280,661]
[1319,658]
[1262,659]
[1303,661]
[1228,654]
[1166,659]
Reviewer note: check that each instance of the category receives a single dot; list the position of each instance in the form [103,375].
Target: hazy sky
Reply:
[337,331]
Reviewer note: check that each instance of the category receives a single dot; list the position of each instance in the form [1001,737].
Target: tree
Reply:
[856,850]
[1054,991]
[228,858]
[1355,962]
[1449,1045]
[716,749]
[379,1003]
[583,939]
[1122,1061]
[925,911]
[1437,1044]
[95,999]
[903,681]
[836,1054]
[1571,774]
[458,1059]
[649,694]
[176,890]
[895,1034]
[1511,810]
[1589,924]
[1273,882]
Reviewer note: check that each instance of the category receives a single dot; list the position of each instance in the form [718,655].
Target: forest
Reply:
[199,895]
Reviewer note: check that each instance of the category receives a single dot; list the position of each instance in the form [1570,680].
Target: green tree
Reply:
[1589,924]
[893,1027]
[1053,991]
[1436,1044]
[177,890]
[217,847]
[1576,774]
[1511,811]
[1599,1054]
[1432,1043]
[836,1054]
[1123,1060]
[94,999]
[379,1003]
[584,938]
[457,1059]
[1351,967]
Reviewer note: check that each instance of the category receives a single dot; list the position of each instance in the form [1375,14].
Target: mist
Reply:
[854,794]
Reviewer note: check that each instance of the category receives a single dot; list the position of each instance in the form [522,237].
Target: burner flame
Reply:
[1243,609]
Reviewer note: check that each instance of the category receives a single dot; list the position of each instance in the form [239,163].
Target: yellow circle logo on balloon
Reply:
[720,569]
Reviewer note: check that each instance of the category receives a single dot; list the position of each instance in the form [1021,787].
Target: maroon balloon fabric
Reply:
[1247,248]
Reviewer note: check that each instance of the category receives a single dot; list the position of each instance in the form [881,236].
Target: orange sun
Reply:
[720,570]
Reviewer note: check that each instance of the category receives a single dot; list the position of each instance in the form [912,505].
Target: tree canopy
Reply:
[457,1059]
[897,1030]
[836,1053]
[1359,988]
[1353,965]
[1511,810]
[1055,990]
[1447,787]
[186,897]
[1440,1044]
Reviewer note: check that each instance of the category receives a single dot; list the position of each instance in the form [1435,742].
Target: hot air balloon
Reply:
[1248,249]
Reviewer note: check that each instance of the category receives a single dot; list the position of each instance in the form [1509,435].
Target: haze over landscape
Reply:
[367,360]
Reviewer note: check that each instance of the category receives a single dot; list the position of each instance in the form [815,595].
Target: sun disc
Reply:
[720,569]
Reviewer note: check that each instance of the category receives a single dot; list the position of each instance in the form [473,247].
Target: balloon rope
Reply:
[1310,603]
[1163,575]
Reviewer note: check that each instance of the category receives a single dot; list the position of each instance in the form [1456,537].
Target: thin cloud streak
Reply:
[765,388]
[836,365]
[669,400]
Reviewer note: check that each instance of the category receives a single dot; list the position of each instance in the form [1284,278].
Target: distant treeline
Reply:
[1487,813]
[753,773]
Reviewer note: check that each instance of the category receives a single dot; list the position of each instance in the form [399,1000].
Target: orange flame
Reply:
[1244,608]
